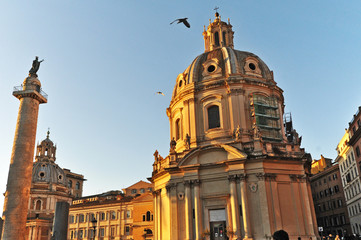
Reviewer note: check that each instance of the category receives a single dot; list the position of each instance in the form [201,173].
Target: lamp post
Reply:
[94,222]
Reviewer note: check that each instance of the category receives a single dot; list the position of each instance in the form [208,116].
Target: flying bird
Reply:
[182,20]
[160,93]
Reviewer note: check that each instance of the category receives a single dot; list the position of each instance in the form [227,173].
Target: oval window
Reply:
[252,66]
[211,68]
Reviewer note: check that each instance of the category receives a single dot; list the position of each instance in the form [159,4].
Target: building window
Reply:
[71,219]
[77,186]
[70,183]
[224,38]
[216,39]
[38,205]
[177,129]
[113,215]
[142,190]
[80,234]
[112,231]
[128,213]
[81,218]
[134,191]
[357,151]
[102,216]
[101,232]
[148,216]
[91,233]
[127,230]
[71,234]
[143,218]
[213,117]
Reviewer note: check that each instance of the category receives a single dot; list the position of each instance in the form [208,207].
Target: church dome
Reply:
[44,168]
[225,96]
[48,172]
[221,63]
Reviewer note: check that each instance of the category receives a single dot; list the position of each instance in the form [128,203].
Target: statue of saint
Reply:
[156,154]
[173,144]
[188,141]
[35,67]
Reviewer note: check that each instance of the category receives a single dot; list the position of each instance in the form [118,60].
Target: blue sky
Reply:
[104,60]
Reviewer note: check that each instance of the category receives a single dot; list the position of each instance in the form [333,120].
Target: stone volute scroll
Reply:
[35,67]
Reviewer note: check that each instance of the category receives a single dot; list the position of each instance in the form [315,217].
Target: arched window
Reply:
[224,38]
[216,38]
[177,129]
[213,117]
[70,183]
[38,205]
[77,186]
[148,216]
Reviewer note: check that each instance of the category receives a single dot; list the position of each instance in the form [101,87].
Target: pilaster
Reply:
[245,208]
[198,210]
[234,206]
[188,210]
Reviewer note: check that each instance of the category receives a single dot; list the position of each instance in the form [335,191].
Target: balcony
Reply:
[40,91]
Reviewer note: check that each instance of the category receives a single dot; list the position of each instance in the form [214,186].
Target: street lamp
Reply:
[94,222]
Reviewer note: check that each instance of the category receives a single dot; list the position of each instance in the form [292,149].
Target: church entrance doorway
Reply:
[218,231]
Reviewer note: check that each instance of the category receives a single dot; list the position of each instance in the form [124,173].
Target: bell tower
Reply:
[46,150]
[21,163]
[218,34]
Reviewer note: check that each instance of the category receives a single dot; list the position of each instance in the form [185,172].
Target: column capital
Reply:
[270,176]
[261,176]
[242,177]
[232,178]
[187,183]
[293,177]
[157,192]
[298,177]
[196,182]
[170,186]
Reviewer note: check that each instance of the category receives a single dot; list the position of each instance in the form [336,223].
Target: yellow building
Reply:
[114,215]
[231,171]
[320,165]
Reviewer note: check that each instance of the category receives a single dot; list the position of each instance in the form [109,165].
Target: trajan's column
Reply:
[21,163]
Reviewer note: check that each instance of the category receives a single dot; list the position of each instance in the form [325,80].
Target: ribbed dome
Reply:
[223,63]
[48,172]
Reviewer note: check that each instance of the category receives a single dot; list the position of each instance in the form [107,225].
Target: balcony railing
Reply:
[42,93]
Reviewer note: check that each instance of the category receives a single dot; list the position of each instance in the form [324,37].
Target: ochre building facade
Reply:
[114,215]
[233,171]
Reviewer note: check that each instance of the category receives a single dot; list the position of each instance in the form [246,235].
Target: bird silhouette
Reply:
[160,93]
[182,20]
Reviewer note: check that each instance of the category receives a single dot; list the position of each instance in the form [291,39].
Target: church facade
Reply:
[234,169]
[50,184]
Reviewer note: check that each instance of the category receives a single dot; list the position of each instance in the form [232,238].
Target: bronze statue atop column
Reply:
[35,67]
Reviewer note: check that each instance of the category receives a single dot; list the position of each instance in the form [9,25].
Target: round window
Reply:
[252,66]
[43,165]
[60,177]
[211,68]
[42,174]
